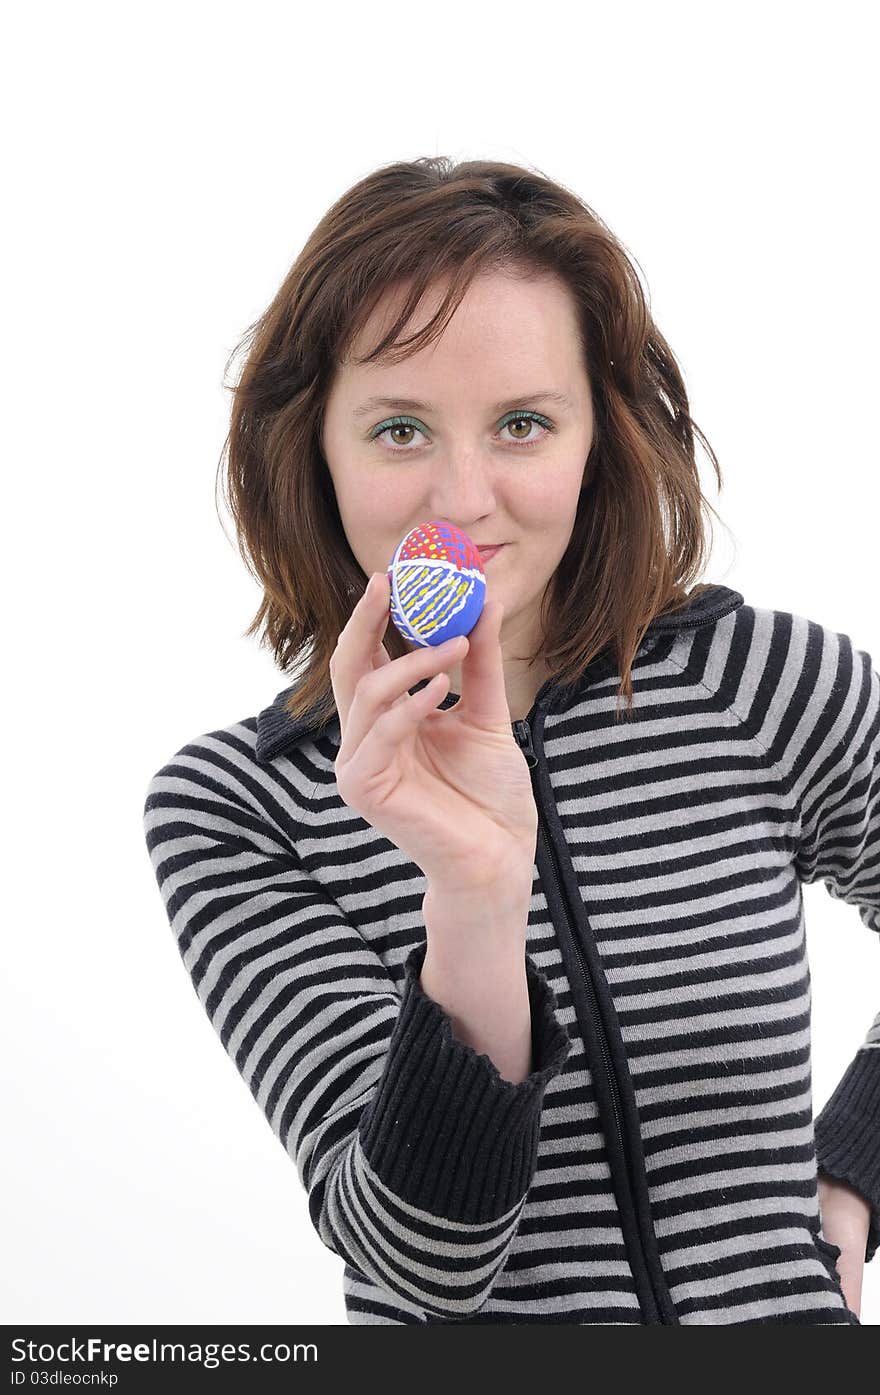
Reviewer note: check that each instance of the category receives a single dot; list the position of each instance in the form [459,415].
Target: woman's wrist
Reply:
[484,921]
[482,917]
[474,967]
[846,1214]
[509,881]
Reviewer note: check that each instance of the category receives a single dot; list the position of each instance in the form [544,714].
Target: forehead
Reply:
[505,319]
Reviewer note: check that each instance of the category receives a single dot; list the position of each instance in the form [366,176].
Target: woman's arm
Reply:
[846,1217]
[836,781]
[475,969]
[356,1069]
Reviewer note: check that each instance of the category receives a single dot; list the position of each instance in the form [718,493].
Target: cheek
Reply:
[548,505]
[367,502]
[377,514]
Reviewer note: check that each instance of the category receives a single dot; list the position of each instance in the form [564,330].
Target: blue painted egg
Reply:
[438,586]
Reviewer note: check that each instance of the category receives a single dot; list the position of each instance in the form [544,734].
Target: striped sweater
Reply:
[659,1165]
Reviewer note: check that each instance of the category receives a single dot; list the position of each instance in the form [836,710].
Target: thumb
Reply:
[483,693]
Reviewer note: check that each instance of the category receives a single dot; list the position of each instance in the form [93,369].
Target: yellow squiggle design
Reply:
[420,585]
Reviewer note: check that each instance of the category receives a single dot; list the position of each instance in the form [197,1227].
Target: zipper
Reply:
[522,732]
[524,737]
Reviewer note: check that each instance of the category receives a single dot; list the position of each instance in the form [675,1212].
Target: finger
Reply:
[386,688]
[374,756]
[483,695]
[380,655]
[358,642]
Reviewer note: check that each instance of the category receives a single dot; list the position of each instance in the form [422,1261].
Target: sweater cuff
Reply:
[848,1135]
[445,1130]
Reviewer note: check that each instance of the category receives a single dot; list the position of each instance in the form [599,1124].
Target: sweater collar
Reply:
[278,731]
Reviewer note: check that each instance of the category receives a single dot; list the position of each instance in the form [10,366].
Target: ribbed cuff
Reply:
[445,1131]
[848,1135]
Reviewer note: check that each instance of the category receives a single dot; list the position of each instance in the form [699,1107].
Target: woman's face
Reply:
[508,474]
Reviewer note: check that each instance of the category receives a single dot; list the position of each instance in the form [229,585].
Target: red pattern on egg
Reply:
[443,541]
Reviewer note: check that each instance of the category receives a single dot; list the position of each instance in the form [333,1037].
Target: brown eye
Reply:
[395,437]
[521,422]
[391,428]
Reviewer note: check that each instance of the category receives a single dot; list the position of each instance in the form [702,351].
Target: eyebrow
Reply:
[408,404]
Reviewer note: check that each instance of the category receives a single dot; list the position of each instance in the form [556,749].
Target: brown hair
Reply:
[638,538]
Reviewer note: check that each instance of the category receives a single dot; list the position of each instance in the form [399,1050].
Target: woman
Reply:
[517,976]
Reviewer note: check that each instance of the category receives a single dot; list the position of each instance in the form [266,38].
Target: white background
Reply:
[164,165]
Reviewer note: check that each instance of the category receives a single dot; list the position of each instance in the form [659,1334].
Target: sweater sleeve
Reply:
[840,845]
[415,1153]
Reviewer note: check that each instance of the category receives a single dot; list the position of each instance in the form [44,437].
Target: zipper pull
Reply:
[523,733]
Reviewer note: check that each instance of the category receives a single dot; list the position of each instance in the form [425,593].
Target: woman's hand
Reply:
[451,789]
[846,1217]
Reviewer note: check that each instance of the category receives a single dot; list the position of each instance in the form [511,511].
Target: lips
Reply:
[487,552]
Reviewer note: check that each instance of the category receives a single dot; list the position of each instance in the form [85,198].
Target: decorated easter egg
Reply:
[437,584]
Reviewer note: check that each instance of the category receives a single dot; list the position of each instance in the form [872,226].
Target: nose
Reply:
[463,489]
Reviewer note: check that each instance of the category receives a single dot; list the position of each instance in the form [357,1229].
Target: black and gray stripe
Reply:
[454,1195]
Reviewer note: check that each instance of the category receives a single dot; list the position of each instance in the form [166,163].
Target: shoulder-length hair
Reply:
[638,540]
